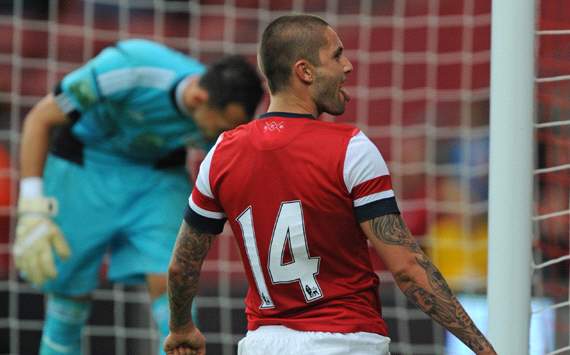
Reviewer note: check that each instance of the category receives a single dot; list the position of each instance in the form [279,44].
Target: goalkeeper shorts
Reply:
[280,340]
[130,212]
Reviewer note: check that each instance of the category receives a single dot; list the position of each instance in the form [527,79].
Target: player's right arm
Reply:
[36,234]
[420,280]
[39,122]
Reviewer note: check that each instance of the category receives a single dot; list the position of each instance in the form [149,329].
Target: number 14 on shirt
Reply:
[289,230]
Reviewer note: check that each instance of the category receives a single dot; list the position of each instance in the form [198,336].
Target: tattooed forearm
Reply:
[435,278]
[391,229]
[426,287]
[184,273]
[438,301]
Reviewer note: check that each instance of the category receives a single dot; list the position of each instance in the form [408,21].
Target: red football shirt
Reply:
[294,190]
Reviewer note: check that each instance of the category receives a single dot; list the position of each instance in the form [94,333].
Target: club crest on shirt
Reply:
[273,126]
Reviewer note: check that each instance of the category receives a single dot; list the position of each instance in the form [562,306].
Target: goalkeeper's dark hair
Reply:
[232,79]
[286,40]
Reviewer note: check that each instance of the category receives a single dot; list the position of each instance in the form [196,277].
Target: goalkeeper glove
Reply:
[36,235]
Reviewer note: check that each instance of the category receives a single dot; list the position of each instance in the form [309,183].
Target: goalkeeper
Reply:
[113,178]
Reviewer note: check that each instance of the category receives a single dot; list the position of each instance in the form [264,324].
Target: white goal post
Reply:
[511,174]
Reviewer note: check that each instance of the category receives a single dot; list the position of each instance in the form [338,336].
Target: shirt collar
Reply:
[287,115]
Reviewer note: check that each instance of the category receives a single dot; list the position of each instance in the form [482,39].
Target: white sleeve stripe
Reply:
[116,80]
[203,212]
[362,162]
[126,79]
[203,179]
[64,102]
[374,197]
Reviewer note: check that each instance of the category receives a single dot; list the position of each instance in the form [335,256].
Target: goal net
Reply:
[420,91]
[551,253]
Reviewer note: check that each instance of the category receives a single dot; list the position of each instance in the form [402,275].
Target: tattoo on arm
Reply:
[442,306]
[435,297]
[189,253]
[392,230]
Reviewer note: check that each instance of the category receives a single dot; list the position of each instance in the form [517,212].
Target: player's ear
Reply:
[194,94]
[304,71]
[201,95]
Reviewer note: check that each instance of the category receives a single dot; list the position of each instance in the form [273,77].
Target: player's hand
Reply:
[36,238]
[187,342]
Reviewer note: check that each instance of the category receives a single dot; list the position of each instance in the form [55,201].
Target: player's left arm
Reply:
[184,270]
[420,280]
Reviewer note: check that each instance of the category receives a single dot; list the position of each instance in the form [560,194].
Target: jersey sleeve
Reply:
[367,179]
[105,77]
[203,212]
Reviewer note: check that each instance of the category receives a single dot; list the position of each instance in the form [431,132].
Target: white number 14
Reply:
[289,230]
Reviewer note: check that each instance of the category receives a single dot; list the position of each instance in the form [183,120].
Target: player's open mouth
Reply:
[344,94]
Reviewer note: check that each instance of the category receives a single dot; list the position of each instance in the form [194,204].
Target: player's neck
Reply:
[288,101]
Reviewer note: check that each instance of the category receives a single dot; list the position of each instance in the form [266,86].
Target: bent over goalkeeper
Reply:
[113,178]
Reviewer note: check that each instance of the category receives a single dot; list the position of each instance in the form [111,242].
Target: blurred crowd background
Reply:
[420,90]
